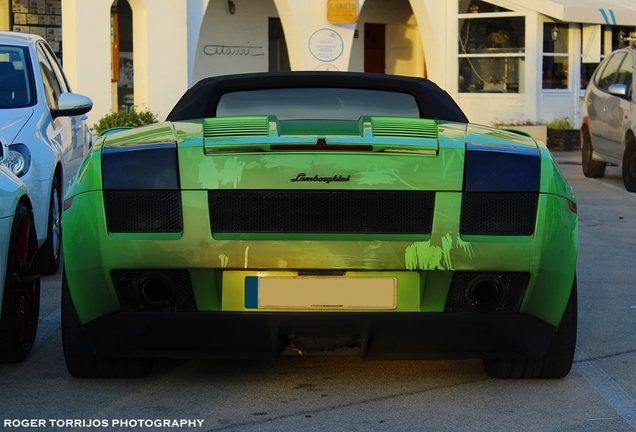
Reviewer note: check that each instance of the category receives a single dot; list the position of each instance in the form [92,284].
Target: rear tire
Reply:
[21,298]
[591,168]
[629,166]
[557,361]
[51,249]
[80,360]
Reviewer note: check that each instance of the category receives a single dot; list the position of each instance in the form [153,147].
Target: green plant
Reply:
[512,123]
[132,118]
[560,123]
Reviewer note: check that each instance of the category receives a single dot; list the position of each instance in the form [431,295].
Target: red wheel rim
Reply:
[25,282]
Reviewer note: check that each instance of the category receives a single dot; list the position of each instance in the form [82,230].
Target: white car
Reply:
[43,133]
[19,279]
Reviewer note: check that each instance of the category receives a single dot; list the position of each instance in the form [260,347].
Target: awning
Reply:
[611,12]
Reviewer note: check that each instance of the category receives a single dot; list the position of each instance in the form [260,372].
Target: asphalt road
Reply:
[348,394]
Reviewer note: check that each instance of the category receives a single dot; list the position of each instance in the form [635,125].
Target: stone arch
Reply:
[433,36]
[161,54]
[392,28]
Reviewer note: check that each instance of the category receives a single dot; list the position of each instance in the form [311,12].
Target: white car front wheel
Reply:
[51,249]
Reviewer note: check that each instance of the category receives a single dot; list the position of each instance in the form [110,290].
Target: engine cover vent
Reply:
[312,211]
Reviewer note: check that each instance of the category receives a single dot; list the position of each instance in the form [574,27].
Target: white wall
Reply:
[86,47]
[396,15]
[171,54]
[239,43]
[160,47]
[487,108]
[404,50]
[233,43]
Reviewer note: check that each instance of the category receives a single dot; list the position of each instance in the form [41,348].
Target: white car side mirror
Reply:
[72,104]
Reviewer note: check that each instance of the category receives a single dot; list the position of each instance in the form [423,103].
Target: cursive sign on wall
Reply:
[234,50]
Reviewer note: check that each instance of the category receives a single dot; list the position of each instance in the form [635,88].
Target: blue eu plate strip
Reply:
[251,291]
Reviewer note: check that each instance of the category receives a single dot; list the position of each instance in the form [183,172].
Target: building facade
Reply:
[504,61]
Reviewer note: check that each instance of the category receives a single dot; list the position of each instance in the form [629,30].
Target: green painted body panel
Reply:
[217,264]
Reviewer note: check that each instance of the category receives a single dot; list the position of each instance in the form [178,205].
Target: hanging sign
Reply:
[342,11]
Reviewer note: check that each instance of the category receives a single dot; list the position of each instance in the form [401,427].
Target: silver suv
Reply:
[608,132]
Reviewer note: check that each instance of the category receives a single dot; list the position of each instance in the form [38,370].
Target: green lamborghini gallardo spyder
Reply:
[314,213]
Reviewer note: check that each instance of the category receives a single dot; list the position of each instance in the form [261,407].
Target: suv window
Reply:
[625,74]
[608,74]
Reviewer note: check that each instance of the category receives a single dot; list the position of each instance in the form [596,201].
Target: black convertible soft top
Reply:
[201,100]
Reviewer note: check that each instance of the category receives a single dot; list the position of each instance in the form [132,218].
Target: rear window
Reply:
[15,88]
[318,103]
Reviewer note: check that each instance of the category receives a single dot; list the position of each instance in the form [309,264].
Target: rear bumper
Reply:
[239,335]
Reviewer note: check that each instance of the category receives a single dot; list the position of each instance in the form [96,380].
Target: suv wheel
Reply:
[591,168]
[629,166]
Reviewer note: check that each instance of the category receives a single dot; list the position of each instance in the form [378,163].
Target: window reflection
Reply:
[491,75]
[491,46]
[555,72]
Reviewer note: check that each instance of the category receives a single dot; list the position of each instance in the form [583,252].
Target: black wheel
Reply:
[21,298]
[557,361]
[629,166]
[51,249]
[591,168]
[79,358]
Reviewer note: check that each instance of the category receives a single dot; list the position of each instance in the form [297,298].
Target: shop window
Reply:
[491,49]
[623,37]
[555,71]
[477,6]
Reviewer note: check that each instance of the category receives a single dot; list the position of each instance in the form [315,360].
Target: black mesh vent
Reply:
[514,288]
[127,283]
[143,211]
[340,212]
[498,213]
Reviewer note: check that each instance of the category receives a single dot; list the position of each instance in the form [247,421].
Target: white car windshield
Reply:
[15,88]
[318,103]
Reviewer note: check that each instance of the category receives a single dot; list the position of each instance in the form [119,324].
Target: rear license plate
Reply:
[320,293]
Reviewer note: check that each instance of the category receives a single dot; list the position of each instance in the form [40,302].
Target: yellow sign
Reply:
[342,11]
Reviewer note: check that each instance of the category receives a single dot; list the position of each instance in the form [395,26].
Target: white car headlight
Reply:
[17,159]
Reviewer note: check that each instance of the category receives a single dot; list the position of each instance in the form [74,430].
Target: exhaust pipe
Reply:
[486,292]
[155,291]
